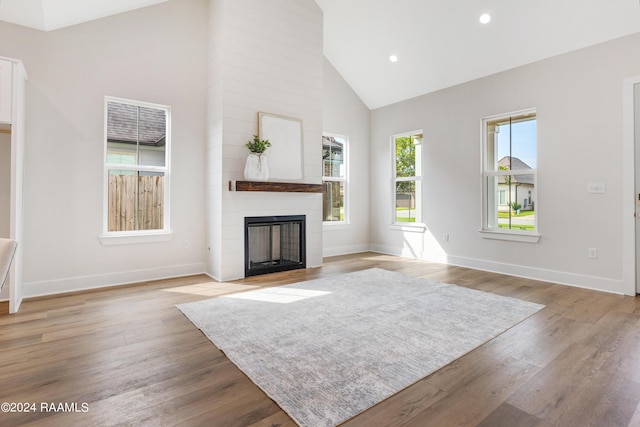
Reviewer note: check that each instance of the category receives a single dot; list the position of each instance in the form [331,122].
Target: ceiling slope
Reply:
[50,15]
[439,43]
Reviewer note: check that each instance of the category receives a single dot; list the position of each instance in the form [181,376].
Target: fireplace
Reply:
[274,243]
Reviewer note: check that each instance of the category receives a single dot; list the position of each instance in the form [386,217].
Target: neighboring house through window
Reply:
[334,178]
[407,177]
[509,173]
[136,167]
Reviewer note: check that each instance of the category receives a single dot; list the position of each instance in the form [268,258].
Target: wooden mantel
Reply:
[282,187]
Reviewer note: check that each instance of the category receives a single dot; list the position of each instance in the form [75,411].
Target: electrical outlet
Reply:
[445,237]
[596,187]
[593,253]
[186,244]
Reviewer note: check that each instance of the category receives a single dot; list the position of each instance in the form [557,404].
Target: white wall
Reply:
[578,97]
[5,183]
[265,55]
[5,194]
[345,114]
[156,54]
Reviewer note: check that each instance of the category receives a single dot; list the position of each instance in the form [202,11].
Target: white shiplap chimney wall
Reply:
[264,55]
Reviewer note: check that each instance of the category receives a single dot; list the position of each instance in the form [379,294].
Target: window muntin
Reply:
[334,178]
[136,167]
[407,178]
[509,170]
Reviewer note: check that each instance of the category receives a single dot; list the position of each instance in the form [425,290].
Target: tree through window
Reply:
[407,173]
[334,178]
[509,172]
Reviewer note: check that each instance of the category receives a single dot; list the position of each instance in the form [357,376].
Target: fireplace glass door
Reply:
[274,244]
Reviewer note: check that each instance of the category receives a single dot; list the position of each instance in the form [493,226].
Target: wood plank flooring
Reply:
[134,359]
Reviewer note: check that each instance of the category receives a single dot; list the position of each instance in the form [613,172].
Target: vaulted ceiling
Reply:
[441,43]
[50,15]
[438,43]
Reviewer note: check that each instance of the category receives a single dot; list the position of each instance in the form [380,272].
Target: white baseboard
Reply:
[74,284]
[405,253]
[214,278]
[560,277]
[344,250]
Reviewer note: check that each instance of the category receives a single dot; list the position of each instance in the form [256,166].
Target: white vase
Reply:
[256,167]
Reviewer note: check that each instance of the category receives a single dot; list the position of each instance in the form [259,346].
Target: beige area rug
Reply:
[328,349]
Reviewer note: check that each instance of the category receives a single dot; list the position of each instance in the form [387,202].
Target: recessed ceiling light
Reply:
[393,58]
[485,18]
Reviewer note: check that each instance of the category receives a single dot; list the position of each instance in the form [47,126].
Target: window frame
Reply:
[418,225]
[345,180]
[489,212]
[137,236]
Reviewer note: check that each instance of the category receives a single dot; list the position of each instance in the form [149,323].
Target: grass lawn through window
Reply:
[526,223]
[405,215]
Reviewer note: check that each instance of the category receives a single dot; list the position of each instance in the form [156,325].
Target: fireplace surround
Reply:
[274,243]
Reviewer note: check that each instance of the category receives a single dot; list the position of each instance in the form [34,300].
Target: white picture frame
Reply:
[285,156]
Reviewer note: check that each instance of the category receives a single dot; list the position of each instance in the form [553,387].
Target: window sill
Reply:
[510,236]
[133,238]
[412,228]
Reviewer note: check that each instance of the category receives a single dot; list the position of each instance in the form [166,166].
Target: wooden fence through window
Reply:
[123,192]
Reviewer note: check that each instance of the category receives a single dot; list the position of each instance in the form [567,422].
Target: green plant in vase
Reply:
[257,145]
[256,167]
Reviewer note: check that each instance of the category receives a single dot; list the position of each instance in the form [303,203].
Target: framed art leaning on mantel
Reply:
[285,157]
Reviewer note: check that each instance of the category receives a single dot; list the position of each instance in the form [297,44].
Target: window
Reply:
[509,173]
[334,178]
[502,194]
[407,177]
[136,167]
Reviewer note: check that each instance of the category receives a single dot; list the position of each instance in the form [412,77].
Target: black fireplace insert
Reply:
[274,243]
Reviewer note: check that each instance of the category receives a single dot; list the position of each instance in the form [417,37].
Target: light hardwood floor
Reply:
[134,359]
